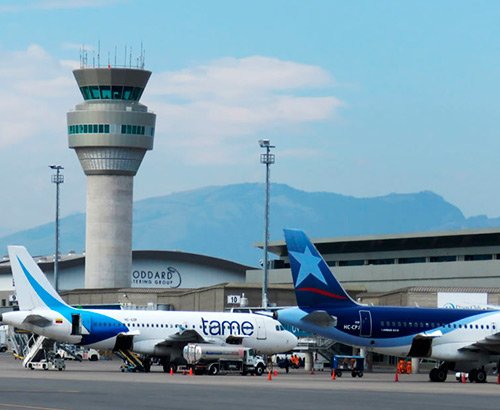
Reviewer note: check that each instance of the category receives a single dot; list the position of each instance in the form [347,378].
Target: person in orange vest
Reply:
[408,367]
[401,366]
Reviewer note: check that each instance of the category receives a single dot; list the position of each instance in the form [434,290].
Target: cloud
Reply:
[36,93]
[205,107]
[206,113]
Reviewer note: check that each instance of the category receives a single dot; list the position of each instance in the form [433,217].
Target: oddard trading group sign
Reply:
[166,278]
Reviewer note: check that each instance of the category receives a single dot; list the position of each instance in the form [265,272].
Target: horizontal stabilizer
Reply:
[320,318]
[37,320]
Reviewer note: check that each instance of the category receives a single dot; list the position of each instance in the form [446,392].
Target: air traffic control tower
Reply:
[110,132]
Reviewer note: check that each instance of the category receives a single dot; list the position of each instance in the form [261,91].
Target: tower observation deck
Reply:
[110,132]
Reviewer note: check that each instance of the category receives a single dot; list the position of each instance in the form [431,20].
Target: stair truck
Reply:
[212,359]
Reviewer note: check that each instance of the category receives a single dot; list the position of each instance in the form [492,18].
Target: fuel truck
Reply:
[212,359]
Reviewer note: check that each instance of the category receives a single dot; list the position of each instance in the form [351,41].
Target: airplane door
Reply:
[261,329]
[365,323]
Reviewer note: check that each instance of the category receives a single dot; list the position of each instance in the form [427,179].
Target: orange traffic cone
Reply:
[171,371]
[275,373]
[333,375]
[396,377]
[269,375]
[190,371]
[463,379]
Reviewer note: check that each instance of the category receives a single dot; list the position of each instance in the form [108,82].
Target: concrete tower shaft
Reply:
[110,132]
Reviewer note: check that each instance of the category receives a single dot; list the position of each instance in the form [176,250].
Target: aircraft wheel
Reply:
[441,375]
[481,376]
[433,374]
[473,375]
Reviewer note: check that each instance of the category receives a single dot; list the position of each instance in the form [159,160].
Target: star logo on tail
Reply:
[309,265]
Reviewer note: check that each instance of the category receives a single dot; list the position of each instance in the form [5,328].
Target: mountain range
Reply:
[227,221]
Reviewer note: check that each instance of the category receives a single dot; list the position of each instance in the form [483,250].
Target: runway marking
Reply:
[22,406]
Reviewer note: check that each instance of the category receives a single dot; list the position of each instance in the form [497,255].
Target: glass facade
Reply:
[115,92]
[88,129]
[110,128]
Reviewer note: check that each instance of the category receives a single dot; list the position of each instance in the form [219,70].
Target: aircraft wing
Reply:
[320,318]
[429,335]
[184,337]
[490,344]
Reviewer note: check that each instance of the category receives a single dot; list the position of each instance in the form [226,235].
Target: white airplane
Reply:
[461,339]
[154,334]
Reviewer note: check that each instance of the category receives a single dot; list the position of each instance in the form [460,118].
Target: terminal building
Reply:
[425,269]
[405,269]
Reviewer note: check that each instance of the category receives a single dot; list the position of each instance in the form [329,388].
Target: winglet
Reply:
[33,289]
[315,285]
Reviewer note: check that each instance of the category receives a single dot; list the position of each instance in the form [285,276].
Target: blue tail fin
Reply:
[315,285]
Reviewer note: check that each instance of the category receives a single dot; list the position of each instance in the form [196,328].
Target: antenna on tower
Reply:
[141,58]
[130,58]
[115,57]
[99,54]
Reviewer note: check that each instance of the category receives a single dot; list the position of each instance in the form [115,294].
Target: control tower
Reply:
[110,132]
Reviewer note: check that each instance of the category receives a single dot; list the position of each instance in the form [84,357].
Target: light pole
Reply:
[57,179]
[266,159]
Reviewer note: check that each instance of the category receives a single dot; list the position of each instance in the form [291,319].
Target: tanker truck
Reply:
[212,359]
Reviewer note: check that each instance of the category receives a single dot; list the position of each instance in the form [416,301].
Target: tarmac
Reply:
[101,386]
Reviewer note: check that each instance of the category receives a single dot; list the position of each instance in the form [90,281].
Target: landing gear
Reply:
[477,375]
[439,374]
[146,363]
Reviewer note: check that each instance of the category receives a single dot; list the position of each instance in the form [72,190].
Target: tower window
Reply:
[117,92]
[105,92]
[94,92]
[136,93]
[127,93]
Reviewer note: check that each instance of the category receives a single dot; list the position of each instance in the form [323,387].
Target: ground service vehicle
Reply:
[210,359]
[352,364]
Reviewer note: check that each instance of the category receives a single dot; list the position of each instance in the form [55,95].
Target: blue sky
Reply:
[362,98]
